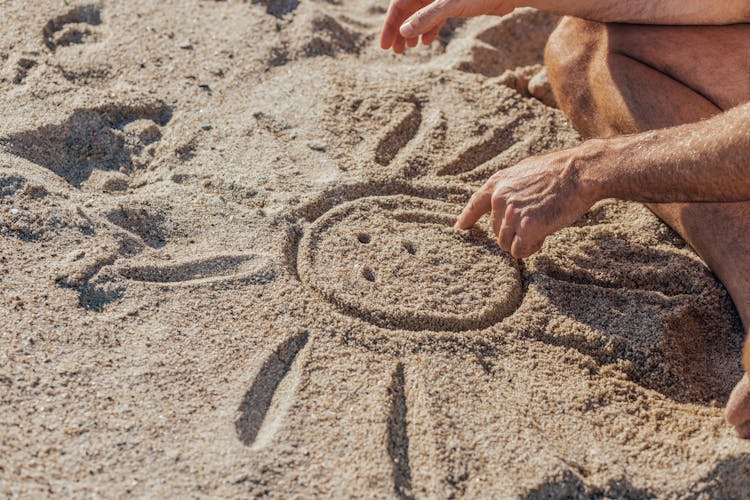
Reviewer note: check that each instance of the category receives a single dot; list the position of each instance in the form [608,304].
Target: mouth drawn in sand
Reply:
[396,262]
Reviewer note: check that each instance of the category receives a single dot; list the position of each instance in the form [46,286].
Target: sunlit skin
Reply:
[662,91]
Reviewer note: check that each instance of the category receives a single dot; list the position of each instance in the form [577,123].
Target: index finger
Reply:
[479,204]
[397,13]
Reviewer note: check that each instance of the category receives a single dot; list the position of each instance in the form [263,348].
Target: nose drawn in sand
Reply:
[117,138]
[396,262]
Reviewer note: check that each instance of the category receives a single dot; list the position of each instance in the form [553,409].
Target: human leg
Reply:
[621,79]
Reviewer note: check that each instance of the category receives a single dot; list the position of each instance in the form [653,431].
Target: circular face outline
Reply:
[503,300]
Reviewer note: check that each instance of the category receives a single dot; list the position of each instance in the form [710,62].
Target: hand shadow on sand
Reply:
[660,311]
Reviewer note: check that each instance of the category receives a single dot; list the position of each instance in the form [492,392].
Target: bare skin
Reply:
[665,134]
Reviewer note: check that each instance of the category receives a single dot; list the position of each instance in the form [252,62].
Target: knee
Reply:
[572,52]
[572,46]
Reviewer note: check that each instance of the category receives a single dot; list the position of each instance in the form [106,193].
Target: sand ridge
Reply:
[182,184]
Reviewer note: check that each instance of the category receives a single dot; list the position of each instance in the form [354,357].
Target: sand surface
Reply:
[227,269]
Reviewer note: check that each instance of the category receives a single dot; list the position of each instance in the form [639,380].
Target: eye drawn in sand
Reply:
[77,26]
[113,138]
[388,260]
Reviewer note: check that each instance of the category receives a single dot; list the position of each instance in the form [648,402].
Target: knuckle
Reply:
[497,199]
[527,225]
[477,197]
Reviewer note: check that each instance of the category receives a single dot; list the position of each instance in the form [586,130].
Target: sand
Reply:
[227,269]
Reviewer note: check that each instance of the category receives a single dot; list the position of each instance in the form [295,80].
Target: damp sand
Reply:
[227,269]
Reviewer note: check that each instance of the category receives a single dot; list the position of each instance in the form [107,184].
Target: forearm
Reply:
[704,161]
[690,12]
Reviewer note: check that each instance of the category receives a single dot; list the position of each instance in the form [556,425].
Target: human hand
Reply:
[533,199]
[406,20]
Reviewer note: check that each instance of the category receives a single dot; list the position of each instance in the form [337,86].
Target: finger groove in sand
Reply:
[398,437]
[270,395]
[407,125]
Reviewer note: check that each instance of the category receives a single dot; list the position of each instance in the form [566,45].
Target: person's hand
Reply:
[406,20]
[532,200]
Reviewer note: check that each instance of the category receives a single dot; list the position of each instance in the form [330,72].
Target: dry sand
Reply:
[227,270]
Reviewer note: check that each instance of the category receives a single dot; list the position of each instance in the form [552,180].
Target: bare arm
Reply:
[703,161]
[408,19]
[649,11]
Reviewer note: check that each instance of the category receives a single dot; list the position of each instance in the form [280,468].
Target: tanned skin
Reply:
[662,89]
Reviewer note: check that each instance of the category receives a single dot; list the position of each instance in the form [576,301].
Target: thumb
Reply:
[428,18]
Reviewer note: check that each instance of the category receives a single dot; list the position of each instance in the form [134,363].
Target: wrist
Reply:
[590,163]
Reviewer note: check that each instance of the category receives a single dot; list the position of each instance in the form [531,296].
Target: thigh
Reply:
[714,61]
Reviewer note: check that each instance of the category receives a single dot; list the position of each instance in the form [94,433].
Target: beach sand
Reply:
[227,269]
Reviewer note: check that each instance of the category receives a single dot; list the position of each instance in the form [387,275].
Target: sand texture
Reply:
[227,269]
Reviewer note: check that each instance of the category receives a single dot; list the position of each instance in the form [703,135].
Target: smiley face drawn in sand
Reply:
[396,261]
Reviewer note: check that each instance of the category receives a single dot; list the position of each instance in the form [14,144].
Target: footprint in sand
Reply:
[77,26]
[74,38]
[97,148]
[395,261]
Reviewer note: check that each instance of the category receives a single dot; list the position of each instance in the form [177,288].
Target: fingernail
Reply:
[407,30]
